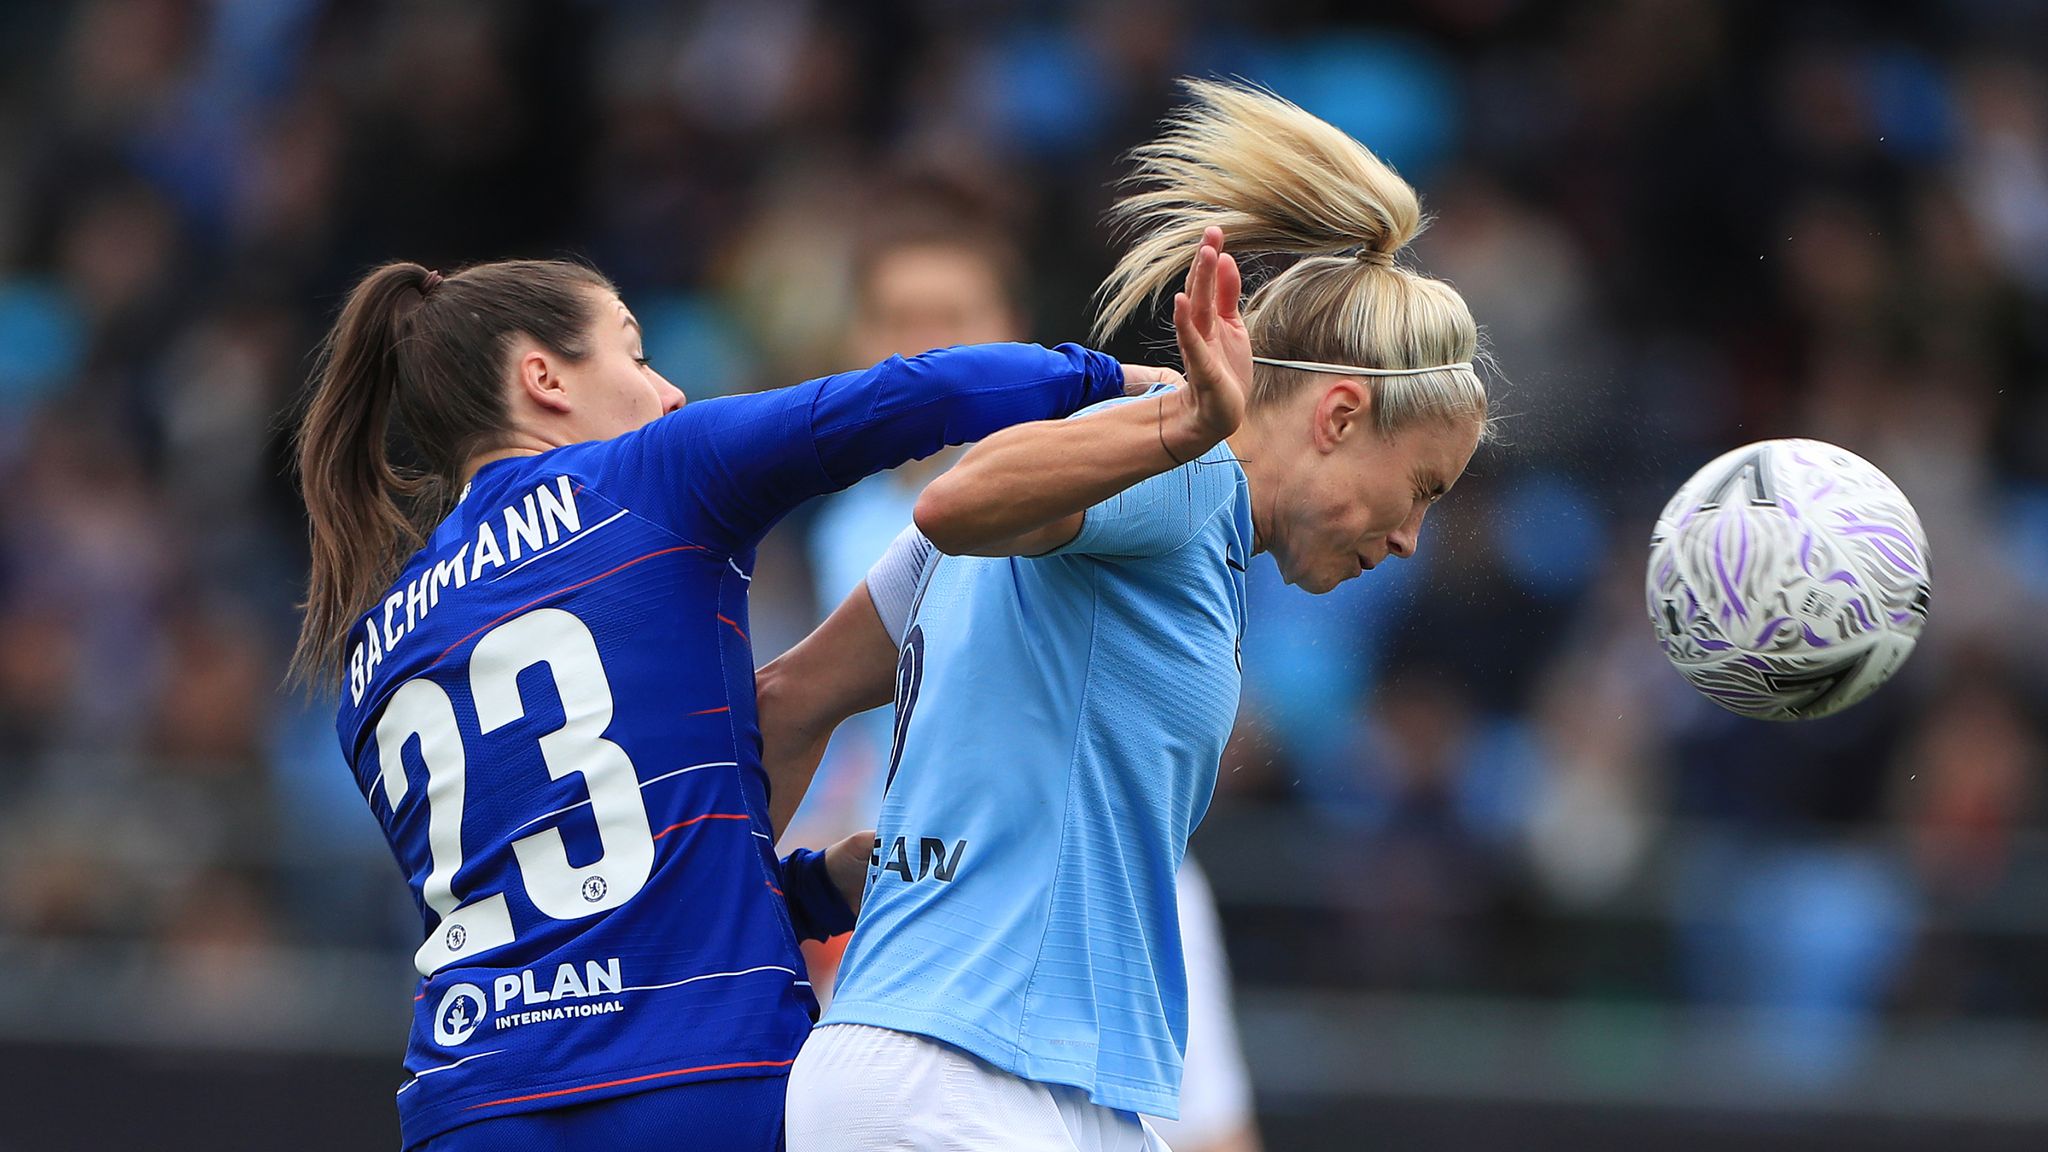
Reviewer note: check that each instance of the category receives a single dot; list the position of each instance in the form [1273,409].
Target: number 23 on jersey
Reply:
[421,709]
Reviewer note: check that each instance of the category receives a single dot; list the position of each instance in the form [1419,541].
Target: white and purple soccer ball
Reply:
[1788,579]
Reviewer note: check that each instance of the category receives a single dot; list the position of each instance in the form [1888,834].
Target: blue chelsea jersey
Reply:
[1059,720]
[551,713]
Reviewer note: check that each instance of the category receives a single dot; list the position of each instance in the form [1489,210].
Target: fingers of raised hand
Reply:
[1201,284]
[1195,353]
[1229,286]
[1203,295]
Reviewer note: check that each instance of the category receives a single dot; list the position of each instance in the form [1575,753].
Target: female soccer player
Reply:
[1067,674]
[540,636]
[938,270]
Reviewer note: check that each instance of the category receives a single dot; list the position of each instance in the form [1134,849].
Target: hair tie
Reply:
[1375,256]
[431,282]
[1353,370]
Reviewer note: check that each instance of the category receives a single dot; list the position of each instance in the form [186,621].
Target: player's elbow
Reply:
[942,515]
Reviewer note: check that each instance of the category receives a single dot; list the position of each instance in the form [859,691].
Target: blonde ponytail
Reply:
[1278,180]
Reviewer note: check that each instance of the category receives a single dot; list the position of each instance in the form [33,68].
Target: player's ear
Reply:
[1344,410]
[538,378]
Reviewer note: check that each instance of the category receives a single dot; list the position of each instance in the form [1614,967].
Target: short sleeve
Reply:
[1156,516]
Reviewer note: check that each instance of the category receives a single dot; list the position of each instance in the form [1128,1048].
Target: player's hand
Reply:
[1215,350]
[847,864]
[1140,378]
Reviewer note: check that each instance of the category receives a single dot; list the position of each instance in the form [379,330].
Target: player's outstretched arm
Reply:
[845,667]
[1023,491]
[741,463]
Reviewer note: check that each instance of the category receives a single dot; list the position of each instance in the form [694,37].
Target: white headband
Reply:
[1347,370]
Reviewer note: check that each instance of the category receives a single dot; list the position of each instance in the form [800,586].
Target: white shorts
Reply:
[861,1089]
[1215,1088]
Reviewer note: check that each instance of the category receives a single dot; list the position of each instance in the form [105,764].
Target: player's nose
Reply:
[1403,541]
[672,397]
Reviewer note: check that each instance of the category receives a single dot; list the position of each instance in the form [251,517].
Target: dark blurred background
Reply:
[1492,875]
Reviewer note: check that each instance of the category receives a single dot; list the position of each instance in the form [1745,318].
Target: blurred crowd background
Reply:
[1475,843]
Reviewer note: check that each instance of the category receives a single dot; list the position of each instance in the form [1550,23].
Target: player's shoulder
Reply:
[726,416]
[643,470]
[700,442]
[1211,491]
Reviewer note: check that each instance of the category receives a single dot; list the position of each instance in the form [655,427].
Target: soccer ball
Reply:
[1788,579]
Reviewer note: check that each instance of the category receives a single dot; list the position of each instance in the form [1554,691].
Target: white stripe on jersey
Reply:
[710,976]
[558,545]
[444,1068]
[643,784]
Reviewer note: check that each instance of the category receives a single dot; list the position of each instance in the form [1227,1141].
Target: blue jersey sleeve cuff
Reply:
[1104,374]
[816,909]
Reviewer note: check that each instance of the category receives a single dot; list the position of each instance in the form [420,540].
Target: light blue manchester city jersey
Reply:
[1059,723]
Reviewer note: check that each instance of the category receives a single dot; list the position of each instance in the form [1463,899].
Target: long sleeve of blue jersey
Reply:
[729,468]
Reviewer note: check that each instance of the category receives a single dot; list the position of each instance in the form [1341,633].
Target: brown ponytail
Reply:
[430,351]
